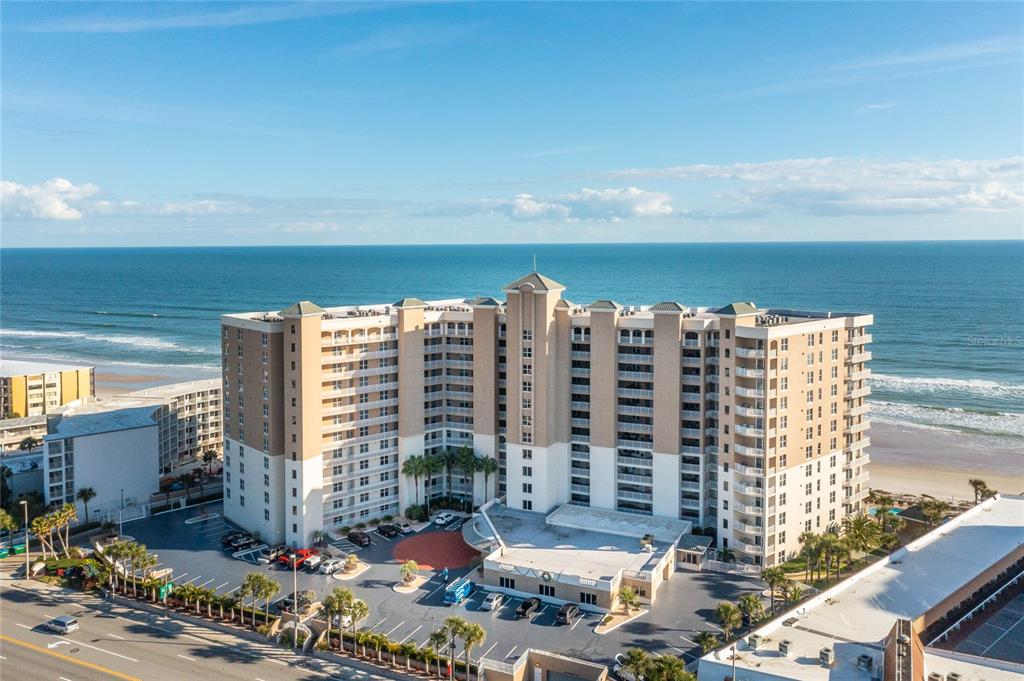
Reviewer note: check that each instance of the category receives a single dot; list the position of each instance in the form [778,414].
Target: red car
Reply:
[295,559]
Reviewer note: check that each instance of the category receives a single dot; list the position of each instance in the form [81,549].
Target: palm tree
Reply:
[28,443]
[410,569]
[145,562]
[629,598]
[792,593]
[209,456]
[268,589]
[85,495]
[729,618]
[808,547]
[472,635]
[7,523]
[250,587]
[933,510]
[773,577]
[707,641]
[357,610]
[751,607]
[637,662]
[488,465]
[334,605]
[668,668]
[415,467]
[861,532]
[438,640]
[979,487]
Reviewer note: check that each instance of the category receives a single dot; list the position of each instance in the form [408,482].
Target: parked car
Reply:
[238,541]
[444,518]
[492,601]
[342,621]
[63,624]
[271,555]
[359,538]
[295,559]
[568,613]
[527,608]
[248,543]
[387,531]
[230,537]
[620,671]
[331,565]
[287,604]
[404,528]
[313,562]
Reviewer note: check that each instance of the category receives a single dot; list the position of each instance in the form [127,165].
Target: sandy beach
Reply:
[915,460]
[117,380]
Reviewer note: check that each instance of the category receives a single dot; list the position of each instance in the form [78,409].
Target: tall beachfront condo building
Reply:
[747,420]
[35,388]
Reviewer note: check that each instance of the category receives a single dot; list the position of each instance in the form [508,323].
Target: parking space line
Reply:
[234,590]
[489,650]
[443,585]
[411,634]
[218,588]
[378,624]
[191,580]
[688,640]
[509,654]
[184,657]
[119,638]
[577,622]
[211,579]
[395,627]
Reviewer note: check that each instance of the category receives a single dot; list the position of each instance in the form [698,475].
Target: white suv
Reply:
[444,518]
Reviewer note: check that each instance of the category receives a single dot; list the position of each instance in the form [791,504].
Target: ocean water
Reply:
[948,335]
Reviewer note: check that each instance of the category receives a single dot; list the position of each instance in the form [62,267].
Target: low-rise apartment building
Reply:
[747,420]
[35,388]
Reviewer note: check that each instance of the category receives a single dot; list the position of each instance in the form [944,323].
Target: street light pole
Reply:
[295,600]
[120,516]
[24,506]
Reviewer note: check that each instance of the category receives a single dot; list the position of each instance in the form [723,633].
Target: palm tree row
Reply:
[426,466]
[643,665]
[859,534]
[981,490]
[58,521]
[258,587]
[132,558]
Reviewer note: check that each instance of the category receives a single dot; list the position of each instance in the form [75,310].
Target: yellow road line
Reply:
[67,658]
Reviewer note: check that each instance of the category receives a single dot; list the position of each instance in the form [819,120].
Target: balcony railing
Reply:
[750,353]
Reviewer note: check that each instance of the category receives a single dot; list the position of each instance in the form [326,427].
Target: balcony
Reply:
[711,395]
[580,489]
[635,392]
[748,431]
[750,412]
[635,358]
[749,490]
[689,485]
[756,530]
[579,354]
[711,360]
[748,470]
[624,409]
[690,379]
[634,479]
[635,427]
[692,361]
[748,451]
[752,549]
[858,444]
[580,423]
[859,427]
[859,410]
[687,449]
[749,373]
[750,392]
[860,375]
[690,432]
[856,480]
[749,353]
[579,472]
[634,496]
[628,460]
[749,510]
[858,357]
[579,371]
[861,339]
[689,468]
[692,343]
[634,444]
[854,394]
[646,376]
[712,378]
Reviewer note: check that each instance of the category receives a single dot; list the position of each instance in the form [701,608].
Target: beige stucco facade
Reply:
[748,420]
[36,388]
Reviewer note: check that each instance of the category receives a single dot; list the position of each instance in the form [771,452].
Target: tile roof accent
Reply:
[738,309]
[410,302]
[301,309]
[668,306]
[604,305]
[483,302]
[537,281]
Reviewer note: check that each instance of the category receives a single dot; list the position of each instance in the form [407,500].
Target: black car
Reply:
[359,538]
[240,541]
[527,607]
[230,537]
[568,613]
[387,531]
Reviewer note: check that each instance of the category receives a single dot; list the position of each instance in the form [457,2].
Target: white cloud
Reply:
[55,199]
[603,205]
[880,106]
[850,186]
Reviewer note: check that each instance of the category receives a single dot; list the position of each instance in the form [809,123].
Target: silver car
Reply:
[492,601]
[331,565]
[65,624]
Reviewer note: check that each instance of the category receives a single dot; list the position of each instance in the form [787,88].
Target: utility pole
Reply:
[120,516]
[24,506]
[295,599]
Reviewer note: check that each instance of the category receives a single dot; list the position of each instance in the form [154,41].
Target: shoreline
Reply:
[917,460]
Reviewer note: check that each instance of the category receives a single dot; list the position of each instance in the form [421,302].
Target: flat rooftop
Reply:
[176,389]
[853,617]
[530,541]
[13,367]
[95,422]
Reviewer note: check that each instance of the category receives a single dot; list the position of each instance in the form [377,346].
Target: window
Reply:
[266,514]
[241,500]
[527,488]
[506,583]
[527,454]
[527,471]
[527,352]
[546,590]
[527,386]
[784,344]
[588,598]
[527,505]
[527,334]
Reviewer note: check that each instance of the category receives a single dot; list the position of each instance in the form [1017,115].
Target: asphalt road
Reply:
[115,642]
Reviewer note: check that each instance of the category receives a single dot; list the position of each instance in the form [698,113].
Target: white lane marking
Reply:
[63,678]
[688,640]
[23,626]
[208,581]
[256,678]
[236,589]
[489,650]
[184,657]
[378,624]
[181,575]
[218,588]
[119,638]
[191,580]
[58,643]
[443,585]
[411,634]
[109,652]
[396,627]
[577,622]
[424,644]
[3,658]
[509,654]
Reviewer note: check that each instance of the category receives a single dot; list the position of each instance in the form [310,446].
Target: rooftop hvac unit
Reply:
[827,657]
[935,676]
[754,641]
[865,662]
[785,646]
[953,676]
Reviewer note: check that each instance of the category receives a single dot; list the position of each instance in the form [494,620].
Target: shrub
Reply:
[416,513]
[388,518]
[360,526]
[375,522]
[345,529]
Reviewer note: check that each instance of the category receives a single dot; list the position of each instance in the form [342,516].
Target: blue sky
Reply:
[267,123]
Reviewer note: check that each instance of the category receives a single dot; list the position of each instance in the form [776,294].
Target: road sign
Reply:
[165,590]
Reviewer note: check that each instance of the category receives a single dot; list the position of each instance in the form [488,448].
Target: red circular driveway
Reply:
[435,550]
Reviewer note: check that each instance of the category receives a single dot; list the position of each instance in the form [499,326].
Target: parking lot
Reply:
[684,604]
